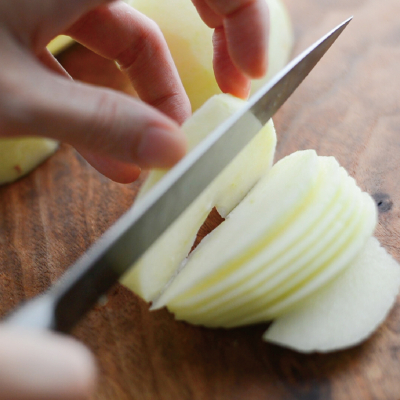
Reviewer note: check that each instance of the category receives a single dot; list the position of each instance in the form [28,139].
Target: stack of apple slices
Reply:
[298,228]
[297,249]
[19,156]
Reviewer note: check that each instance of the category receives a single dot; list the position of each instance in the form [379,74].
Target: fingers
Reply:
[120,33]
[44,366]
[35,23]
[114,169]
[246,26]
[105,123]
[230,79]
[92,119]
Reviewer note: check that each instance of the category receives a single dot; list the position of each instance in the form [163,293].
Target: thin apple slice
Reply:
[240,233]
[347,310]
[281,259]
[19,156]
[304,223]
[153,271]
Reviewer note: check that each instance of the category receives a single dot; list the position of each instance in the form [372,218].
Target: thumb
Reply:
[44,366]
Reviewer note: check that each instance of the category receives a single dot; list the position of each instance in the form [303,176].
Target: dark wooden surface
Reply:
[349,108]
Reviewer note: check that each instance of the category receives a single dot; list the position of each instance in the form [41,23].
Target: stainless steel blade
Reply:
[125,242]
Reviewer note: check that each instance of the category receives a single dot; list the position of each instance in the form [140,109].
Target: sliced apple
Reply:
[347,310]
[190,42]
[297,229]
[159,264]
[19,156]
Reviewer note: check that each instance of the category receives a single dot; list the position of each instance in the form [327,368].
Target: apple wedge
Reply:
[301,225]
[161,261]
[190,43]
[19,156]
[345,312]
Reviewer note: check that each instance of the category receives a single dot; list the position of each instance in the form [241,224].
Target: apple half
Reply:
[159,264]
[190,43]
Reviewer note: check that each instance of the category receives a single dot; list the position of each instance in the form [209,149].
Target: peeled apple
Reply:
[157,266]
[190,42]
[346,311]
[297,250]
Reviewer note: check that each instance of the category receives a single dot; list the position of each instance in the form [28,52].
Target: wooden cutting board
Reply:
[349,108]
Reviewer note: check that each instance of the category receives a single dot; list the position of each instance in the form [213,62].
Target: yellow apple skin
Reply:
[19,156]
[190,42]
[60,43]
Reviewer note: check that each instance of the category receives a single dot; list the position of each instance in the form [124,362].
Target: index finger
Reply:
[118,32]
[246,27]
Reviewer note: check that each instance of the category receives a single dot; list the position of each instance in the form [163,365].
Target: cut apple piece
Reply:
[297,229]
[347,310]
[190,42]
[19,156]
[153,271]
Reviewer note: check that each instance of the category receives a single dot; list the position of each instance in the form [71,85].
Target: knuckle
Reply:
[103,120]
[147,41]
[224,7]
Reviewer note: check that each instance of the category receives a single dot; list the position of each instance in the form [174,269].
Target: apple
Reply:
[296,249]
[190,43]
[159,264]
[301,225]
[19,156]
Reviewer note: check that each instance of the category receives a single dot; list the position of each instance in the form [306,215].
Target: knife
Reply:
[91,276]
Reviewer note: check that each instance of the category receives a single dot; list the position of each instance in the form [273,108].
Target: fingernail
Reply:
[161,148]
[44,366]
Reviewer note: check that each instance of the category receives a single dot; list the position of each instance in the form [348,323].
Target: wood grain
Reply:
[349,107]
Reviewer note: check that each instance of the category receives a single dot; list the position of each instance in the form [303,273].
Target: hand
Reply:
[240,41]
[43,366]
[114,132]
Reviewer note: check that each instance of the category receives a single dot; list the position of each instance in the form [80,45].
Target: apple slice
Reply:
[190,42]
[153,271]
[297,229]
[347,310]
[19,156]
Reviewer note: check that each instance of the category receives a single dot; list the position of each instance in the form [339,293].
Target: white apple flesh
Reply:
[160,263]
[190,42]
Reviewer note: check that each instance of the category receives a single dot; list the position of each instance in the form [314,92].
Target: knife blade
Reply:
[65,303]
